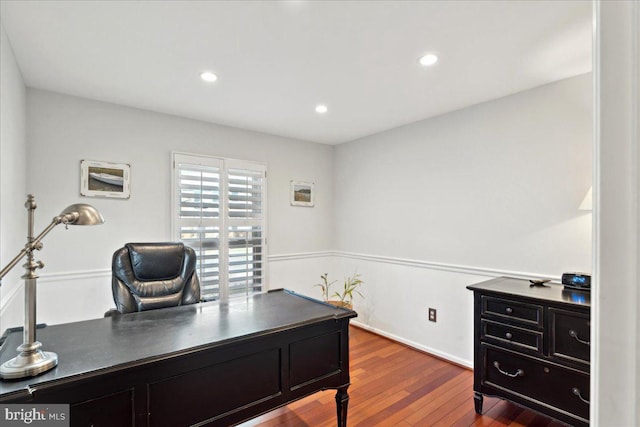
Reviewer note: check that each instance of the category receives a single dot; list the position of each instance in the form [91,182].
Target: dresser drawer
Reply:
[530,314]
[569,335]
[512,336]
[537,381]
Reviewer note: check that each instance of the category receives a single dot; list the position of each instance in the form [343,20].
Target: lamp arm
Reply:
[13,263]
[36,243]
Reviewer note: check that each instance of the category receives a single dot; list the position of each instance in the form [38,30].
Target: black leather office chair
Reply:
[146,276]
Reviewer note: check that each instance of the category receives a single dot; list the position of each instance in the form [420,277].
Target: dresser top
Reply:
[509,286]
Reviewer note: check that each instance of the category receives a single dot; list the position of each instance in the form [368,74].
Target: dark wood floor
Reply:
[394,385]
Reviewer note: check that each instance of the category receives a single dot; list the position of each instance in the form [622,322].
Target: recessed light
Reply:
[208,76]
[321,109]
[428,60]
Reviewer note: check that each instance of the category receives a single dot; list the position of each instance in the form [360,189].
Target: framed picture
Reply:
[302,193]
[103,179]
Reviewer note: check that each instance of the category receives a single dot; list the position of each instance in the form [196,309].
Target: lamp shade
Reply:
[587,202]
[83,214]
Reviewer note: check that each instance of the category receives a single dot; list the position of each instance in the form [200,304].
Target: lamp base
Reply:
[30,362]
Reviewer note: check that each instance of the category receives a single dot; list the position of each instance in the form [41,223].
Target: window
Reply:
[219,210]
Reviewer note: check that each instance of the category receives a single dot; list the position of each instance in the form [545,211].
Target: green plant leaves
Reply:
[349,287]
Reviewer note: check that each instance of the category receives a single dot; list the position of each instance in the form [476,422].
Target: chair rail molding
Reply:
[454,268]
[76,275]
[300,255]
[432,265]
[11,291]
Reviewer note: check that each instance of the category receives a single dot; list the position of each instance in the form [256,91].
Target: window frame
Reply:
[225,221]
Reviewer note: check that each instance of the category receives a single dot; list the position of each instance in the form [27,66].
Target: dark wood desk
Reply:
[205,364]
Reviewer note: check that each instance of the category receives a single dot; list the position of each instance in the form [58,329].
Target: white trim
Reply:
[635,112]
[413,344]
[456,268]
[300,255]
[75,275]
[635,141]
[594,377]
[615,377]
[11,291]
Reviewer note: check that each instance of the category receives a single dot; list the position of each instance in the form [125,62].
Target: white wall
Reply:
[434,206]
[63,130]
[616,318]
[637,195]
[13,177]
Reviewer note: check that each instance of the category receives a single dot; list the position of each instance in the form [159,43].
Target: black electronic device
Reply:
[581,281]
[538,283]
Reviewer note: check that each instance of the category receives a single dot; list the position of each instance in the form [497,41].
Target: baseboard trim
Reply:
[431,351]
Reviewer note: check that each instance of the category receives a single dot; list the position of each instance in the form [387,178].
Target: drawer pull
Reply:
[518,373]
[508,335]
[576,391]
[574,334]
[509,310]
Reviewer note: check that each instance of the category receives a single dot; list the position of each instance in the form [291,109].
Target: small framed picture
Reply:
[103,179]
[302,193]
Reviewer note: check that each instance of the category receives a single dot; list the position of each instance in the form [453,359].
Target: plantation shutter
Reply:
[199,220]
[245,227]
[218,210]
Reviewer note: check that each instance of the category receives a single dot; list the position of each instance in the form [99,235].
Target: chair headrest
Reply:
[156,261]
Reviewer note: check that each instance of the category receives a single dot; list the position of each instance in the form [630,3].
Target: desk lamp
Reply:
[32,361]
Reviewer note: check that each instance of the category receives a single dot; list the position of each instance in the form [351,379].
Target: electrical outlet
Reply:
[432,315]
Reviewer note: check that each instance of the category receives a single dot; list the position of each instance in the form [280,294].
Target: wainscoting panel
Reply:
[81,295]
[399,292]
[62,298]
[74,296]
[397,295]
[300,272]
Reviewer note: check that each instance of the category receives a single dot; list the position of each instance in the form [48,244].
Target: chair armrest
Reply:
[112,312]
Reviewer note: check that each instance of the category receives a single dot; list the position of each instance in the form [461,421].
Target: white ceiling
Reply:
[277,60]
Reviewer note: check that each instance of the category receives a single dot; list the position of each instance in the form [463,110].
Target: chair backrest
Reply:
[146,276]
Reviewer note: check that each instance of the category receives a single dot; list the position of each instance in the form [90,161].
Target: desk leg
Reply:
[477,400]
[342,401]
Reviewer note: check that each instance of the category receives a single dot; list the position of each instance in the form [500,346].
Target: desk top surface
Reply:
[128,340]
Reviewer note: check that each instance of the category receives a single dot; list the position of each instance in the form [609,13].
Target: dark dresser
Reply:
[532,347]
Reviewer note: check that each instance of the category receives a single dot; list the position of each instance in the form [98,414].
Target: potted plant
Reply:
[343,297]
